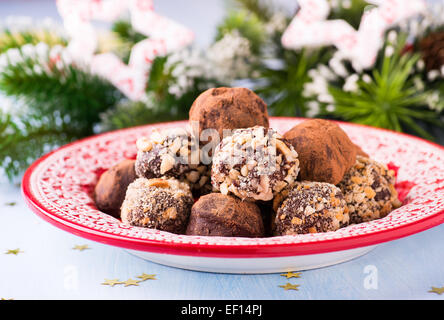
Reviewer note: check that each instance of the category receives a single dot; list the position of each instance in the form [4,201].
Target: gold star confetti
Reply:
[131,282]
[439,291]
[111,282]
[10,204]
[289,286]
[145,277]
[14,252]
[289,275]
[81,247]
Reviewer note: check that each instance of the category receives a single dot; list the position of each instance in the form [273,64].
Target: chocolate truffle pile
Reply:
[251,182]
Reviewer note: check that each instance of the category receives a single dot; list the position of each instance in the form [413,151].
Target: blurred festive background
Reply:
[49,96]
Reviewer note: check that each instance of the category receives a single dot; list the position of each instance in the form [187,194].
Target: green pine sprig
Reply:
[58,103]
[15,39]
[75,94]
[23,139]
[390,99]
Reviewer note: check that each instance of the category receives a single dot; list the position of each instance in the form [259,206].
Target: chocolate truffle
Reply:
[311,207]
[369,191]
[254,164]
[111,188]
[163,204]
[216,214]
[325,151]
[172,153]
[228,108]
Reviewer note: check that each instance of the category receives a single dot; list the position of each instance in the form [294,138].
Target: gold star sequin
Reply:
[81,247]
[14,251]
[111,282]
[145,277]
[289,286]
[439,291]
[289,275]
[131,282]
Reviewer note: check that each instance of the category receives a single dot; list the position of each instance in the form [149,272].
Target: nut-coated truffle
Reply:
[311,207]
[162,204]
[110,190]
[216,214]
[325,151]
[228,108]
[254,164]
[369,191]
[172,153]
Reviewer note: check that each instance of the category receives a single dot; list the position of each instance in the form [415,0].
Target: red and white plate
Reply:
[58,188]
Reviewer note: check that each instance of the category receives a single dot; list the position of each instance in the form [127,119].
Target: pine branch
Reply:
[25,139]
[75,94]
[61,103]
[389,99]
[33,34]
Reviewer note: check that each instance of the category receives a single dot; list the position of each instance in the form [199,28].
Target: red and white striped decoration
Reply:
[165,35]
[310,28]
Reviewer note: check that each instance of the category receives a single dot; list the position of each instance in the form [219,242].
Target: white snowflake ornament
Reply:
[310,28]
[164,35]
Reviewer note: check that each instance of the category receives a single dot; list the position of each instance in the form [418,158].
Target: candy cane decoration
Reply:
[164,35]
[310,28]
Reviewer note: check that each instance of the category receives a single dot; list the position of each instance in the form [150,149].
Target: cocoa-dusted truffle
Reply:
[111,188]
[163,204]
[311,207]
[254,164]
[217,214]
[228,108]
[172,153]
[325,151]
[369,191]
